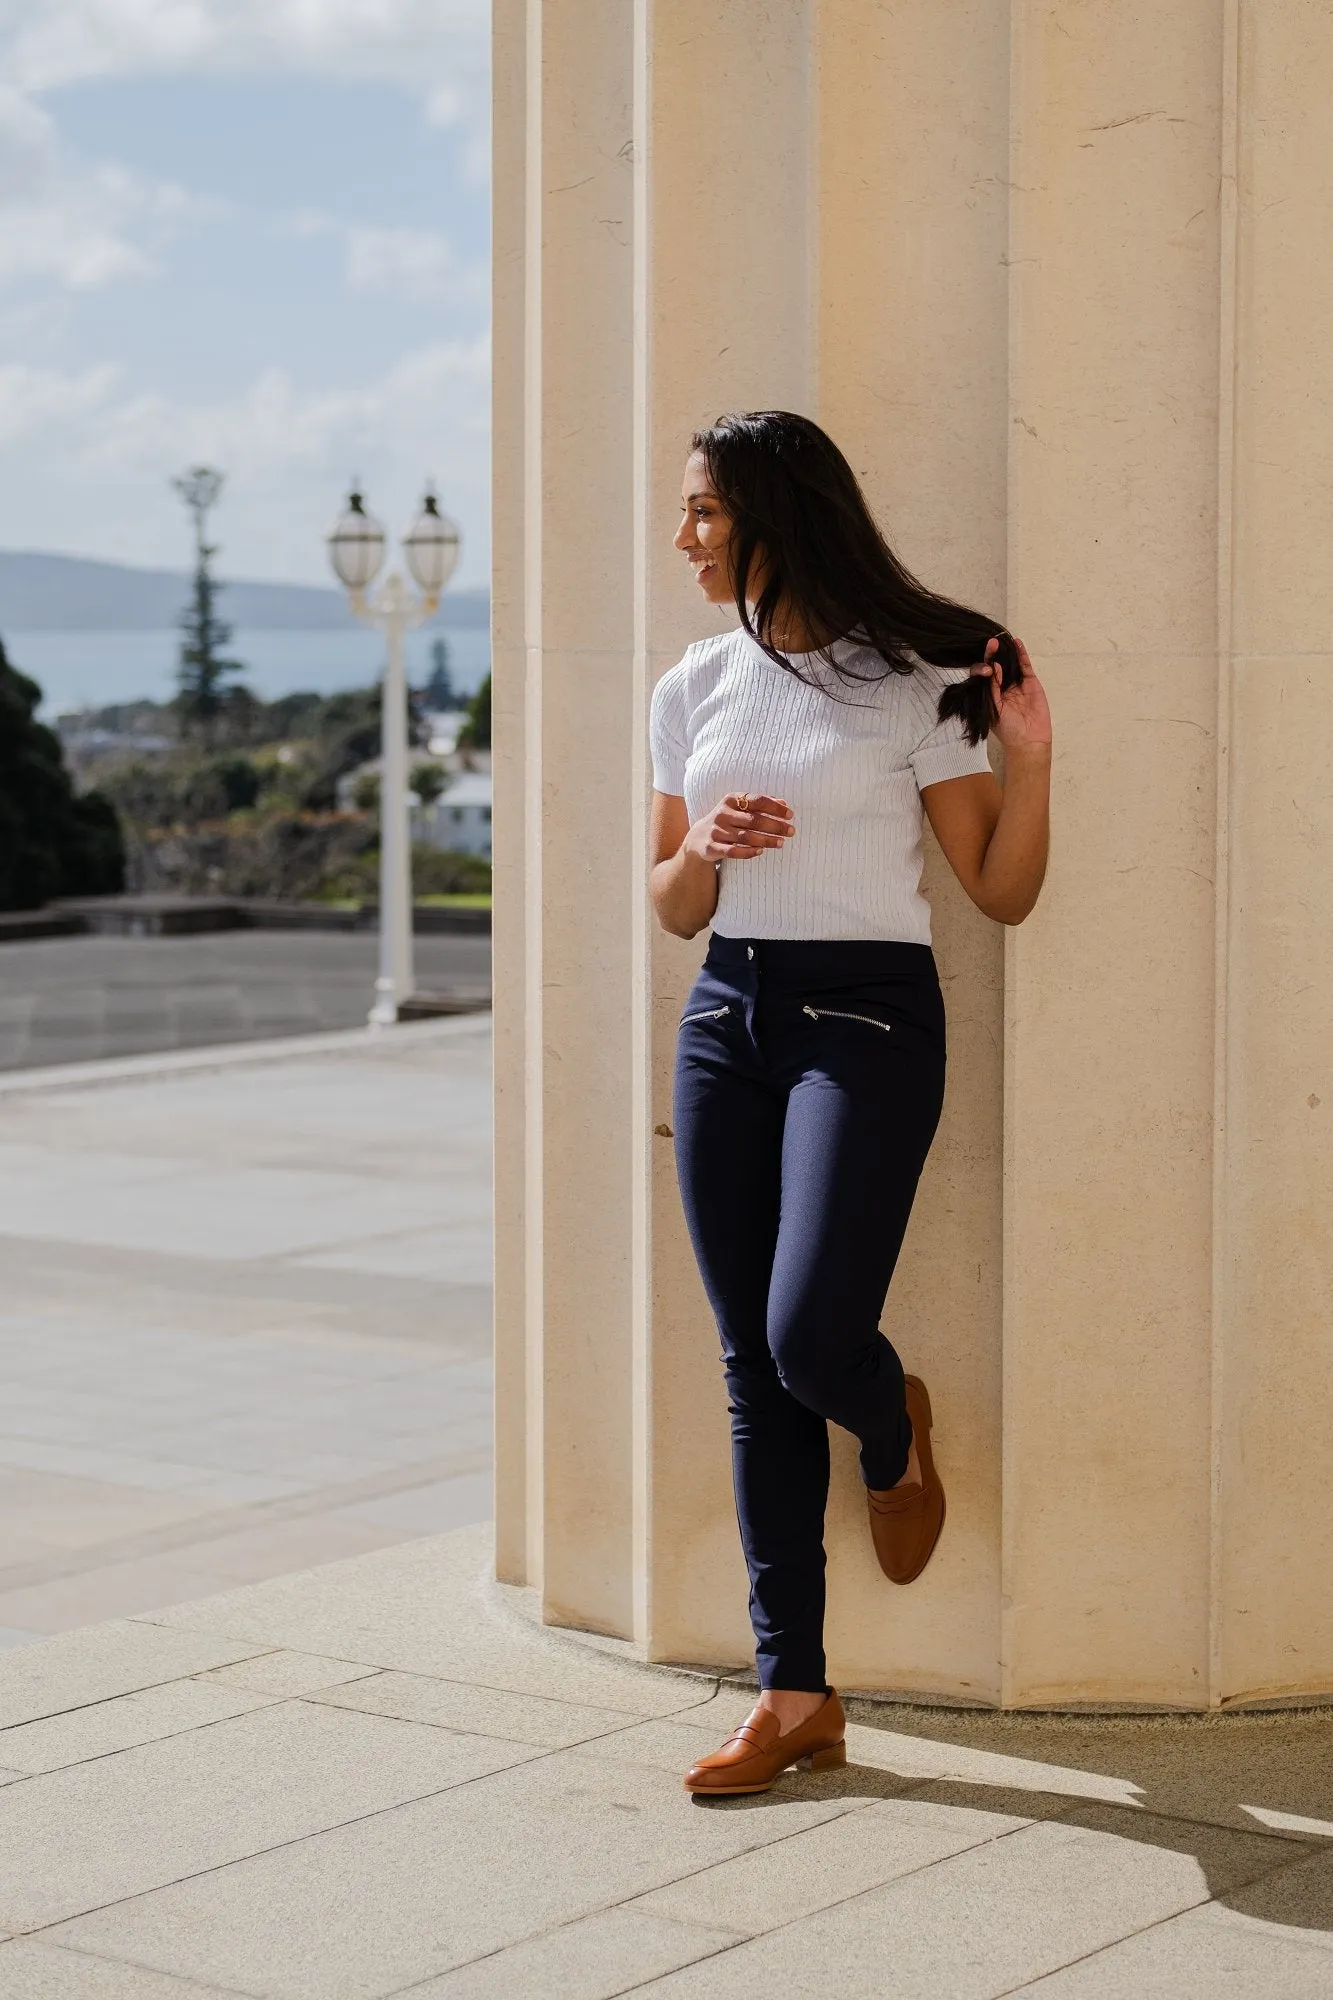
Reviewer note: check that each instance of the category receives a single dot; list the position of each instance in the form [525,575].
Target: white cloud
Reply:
[37,400]
[65,221]
[410,263]
[84,224]
[400,262]
[101,460]
[436,49]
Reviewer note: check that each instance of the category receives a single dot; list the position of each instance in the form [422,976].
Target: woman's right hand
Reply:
[743,826]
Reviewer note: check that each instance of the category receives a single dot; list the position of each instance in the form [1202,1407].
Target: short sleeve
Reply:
[667,734]
[944,751]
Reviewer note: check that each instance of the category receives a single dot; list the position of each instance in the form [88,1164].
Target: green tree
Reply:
[53,842]
[476,731]
[427,781]
[203,671]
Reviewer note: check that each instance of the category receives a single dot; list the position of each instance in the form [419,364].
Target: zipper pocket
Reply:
[709,1014]
[841,1014]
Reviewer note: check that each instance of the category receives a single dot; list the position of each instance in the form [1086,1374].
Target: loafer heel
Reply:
[831,1759]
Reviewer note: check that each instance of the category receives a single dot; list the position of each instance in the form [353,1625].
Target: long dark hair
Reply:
[796,507]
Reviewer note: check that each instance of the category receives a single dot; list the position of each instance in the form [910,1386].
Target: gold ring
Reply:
[743,802]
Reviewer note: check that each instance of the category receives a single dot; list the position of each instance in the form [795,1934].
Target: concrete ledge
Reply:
[191,916]
[17,926]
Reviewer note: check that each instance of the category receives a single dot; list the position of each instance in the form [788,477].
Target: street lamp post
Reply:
[356,549]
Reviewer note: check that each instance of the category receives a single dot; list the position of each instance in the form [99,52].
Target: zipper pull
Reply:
[813,1012]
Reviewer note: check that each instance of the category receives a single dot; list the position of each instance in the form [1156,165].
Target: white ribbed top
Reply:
[851,764]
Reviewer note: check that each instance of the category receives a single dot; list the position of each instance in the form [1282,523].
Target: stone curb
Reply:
[97,1074]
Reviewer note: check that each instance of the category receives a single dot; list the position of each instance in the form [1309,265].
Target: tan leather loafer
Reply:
[905,1522]
[755,1755]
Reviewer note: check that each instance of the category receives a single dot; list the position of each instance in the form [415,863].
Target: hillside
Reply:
[47,593]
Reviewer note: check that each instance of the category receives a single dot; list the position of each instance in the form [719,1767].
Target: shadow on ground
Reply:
[1248,1796]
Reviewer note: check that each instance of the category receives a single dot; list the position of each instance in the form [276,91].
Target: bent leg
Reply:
[857,1133]
[729,1138]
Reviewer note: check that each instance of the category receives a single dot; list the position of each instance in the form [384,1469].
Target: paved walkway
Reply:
[382,1777]
[78,999]
[244,1330]
[244,1316]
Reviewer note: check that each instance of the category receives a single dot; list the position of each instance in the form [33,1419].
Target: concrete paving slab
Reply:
[94,1665]
[287,1674]
[117,1590]
[459,1256]
[243,1213]
[519,1718]
[97,1833]
[108,1726]
[90,1461]
[372,1907]
[593,1959]
[69,1513]
[423,1608]
[975,1926]
[436,1509]
[1207,1954]
[30,1970]
[18,1546]
[279,1546]
[790,1879]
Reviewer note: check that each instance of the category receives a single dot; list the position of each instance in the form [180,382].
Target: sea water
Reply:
[93,669]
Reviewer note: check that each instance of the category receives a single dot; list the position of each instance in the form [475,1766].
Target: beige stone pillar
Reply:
[1054,276]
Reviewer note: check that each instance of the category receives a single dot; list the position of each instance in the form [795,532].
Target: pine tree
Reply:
[439,693]
[52,842]
[202,671]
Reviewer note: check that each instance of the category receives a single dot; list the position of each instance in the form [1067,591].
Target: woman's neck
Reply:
[790,632]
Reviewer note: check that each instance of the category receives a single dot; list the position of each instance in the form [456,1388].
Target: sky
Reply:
[252,233]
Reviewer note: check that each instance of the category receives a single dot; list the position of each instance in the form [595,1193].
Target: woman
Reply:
[792,761]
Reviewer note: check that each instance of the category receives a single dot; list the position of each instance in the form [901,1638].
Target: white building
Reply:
[460,819]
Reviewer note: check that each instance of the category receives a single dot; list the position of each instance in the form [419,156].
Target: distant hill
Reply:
[43,593]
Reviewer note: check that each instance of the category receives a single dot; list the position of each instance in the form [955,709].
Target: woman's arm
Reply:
[684,859]
[996,841]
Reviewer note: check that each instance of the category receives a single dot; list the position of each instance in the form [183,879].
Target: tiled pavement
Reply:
[244,1330]
[383,1777]
[244,1317]
[81,999]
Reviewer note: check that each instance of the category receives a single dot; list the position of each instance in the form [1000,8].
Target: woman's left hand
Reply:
[1020,715]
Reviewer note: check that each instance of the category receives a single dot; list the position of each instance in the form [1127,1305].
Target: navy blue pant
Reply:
[809,1080]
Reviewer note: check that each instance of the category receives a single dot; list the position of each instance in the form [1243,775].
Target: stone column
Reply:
[1054,276]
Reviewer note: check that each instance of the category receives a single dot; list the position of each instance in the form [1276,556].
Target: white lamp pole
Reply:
[356,549]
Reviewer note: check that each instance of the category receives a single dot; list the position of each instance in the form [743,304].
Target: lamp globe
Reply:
[431,546]
[356,546]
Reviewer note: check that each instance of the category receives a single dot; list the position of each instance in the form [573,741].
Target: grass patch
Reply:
[478,901]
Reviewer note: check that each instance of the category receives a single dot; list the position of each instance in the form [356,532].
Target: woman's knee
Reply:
[799,1344]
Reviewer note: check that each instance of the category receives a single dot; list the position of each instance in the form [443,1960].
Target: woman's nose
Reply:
[684,534]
